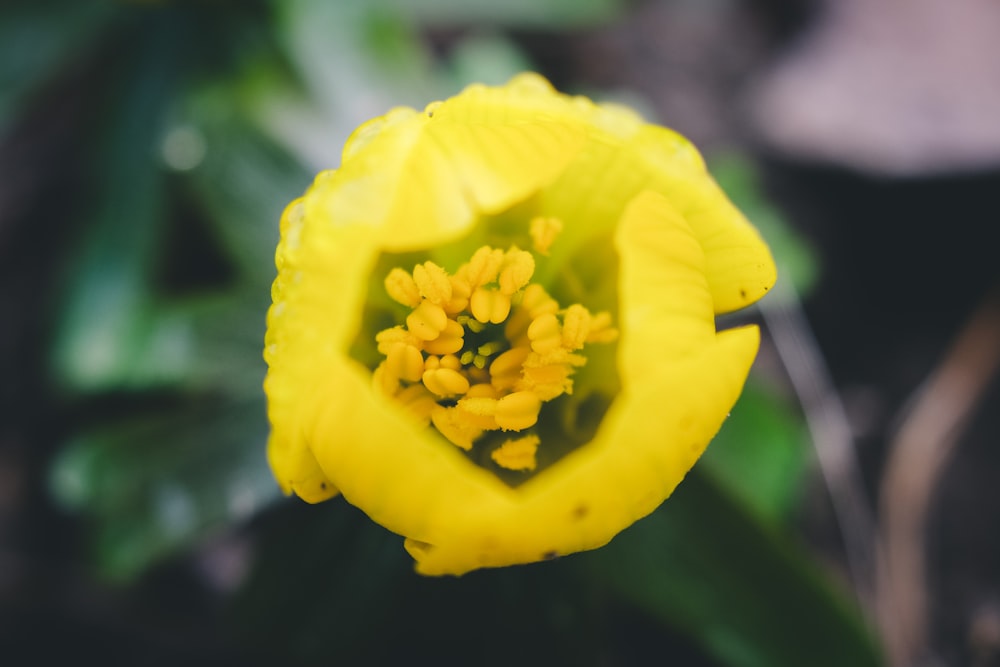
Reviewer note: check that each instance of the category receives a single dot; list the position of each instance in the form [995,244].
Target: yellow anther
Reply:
[543,232]
[384,380]
[601,330]
[506,368]
[451,361]
[449,367]
[405,362]
[460,292]
[547,382]
[518,411]
[484,266]
[480,412]
[402,288]
[537,301]
[576,327]
[517,454]
[386,338]
[477,375]
[427,321]
[482,406]
[418,401]
[545,333]
[452,424]
[518,267]
[445,382]
[449,341]
[433,282]
[483,390]
[489,305]
[560,355]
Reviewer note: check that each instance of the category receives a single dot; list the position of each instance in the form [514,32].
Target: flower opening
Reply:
[493,326]
[479,352]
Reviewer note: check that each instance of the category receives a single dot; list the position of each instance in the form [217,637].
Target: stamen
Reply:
[489,305]
[518,411]
[445,382]
[454,427]
[543,232]
[517,453]
[460,292]
[402,288]
[517,270]
[427,321]
[449,341]
[433,283]
[545,333]
[601,330]
[480,412]
[452,367]
[405,362]
[418,401]
[484,266]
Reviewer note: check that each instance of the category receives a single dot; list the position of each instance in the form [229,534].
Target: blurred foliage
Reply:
[201,121]
[798,262]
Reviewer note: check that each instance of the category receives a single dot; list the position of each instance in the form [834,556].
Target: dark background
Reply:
[846,513]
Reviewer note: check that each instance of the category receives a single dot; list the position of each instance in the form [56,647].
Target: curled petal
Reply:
[649,237]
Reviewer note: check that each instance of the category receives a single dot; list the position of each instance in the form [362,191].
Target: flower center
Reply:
[484,348]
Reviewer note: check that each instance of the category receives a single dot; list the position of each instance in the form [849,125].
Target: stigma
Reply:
[482,349]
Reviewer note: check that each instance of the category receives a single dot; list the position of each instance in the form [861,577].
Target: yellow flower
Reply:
[493,326]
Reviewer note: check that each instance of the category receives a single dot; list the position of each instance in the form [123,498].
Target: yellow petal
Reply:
[424,176]
[739,265]
[633,156]
[413,180]
[653,433]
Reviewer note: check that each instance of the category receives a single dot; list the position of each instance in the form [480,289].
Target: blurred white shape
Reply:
[183,148]
[893,86]
[175,509]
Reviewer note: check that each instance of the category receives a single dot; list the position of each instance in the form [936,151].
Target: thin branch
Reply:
[918,455]
[830,430]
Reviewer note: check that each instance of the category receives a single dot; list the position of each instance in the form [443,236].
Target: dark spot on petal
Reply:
[430,114]
[322,485]
[743,294]
[550,555]
[580,511]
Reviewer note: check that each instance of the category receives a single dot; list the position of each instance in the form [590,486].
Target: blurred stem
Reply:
[918,455]
[830,430]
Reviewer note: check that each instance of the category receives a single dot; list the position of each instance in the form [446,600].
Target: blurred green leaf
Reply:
[490,59]
[157,483]
[354,599]
[797,260]
[107,320]
[561,14]
[36,40]
[356,60]
[761,453]
[242,186]
[706,565]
